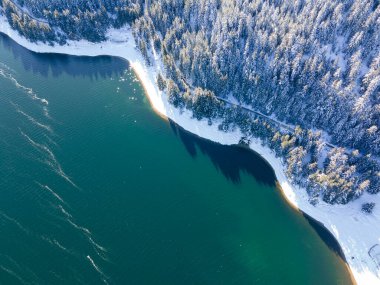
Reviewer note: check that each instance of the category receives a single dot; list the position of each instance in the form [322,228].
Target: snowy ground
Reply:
[357,233]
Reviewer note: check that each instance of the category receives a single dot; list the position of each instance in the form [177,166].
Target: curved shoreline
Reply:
[355,231]
[313,222]
[327,237]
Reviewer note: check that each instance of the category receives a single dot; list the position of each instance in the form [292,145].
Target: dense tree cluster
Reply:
[76,19]
[328,173]
[26,24]
[314,63]
[310,64]
[310,70]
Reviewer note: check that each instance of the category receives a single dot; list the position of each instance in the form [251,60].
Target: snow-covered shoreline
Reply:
[355,231]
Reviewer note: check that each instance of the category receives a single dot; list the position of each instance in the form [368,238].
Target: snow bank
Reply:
[357,233]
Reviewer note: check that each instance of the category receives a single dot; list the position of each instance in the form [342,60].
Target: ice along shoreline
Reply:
[358,234]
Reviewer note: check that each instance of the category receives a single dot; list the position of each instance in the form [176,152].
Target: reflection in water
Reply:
[326,236]
[227,163]
[232,167]
[127,220]
[42,63]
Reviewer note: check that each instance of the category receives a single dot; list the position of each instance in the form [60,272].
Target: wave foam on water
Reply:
[54,242]
[13,266]
[100,250]
[3,65]
[14,221]
[51,191]
[7,74]
[96,267]
[52,161]
[13,274]
[31,119]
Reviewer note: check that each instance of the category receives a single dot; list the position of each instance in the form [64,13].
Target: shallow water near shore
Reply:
[96,188]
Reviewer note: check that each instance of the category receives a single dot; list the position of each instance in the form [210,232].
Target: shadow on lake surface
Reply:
[229,160]
[232,160]
[326,236]
[56,64]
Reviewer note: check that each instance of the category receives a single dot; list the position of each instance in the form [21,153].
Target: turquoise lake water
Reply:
[95,188]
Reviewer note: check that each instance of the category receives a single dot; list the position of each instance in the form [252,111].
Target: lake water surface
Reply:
[97,188]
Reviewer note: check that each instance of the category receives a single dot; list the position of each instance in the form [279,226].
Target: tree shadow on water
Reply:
[84,66]
[326,236]
[231,161]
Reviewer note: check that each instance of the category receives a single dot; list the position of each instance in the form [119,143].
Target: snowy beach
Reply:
[357,233]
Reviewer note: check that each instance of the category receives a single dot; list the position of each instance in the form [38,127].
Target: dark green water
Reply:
[96,188]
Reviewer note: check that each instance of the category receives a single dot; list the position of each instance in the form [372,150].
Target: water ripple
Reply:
[52,160]
[31,119]
[7,74]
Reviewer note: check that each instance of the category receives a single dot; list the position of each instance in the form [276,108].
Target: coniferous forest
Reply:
[303,76]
